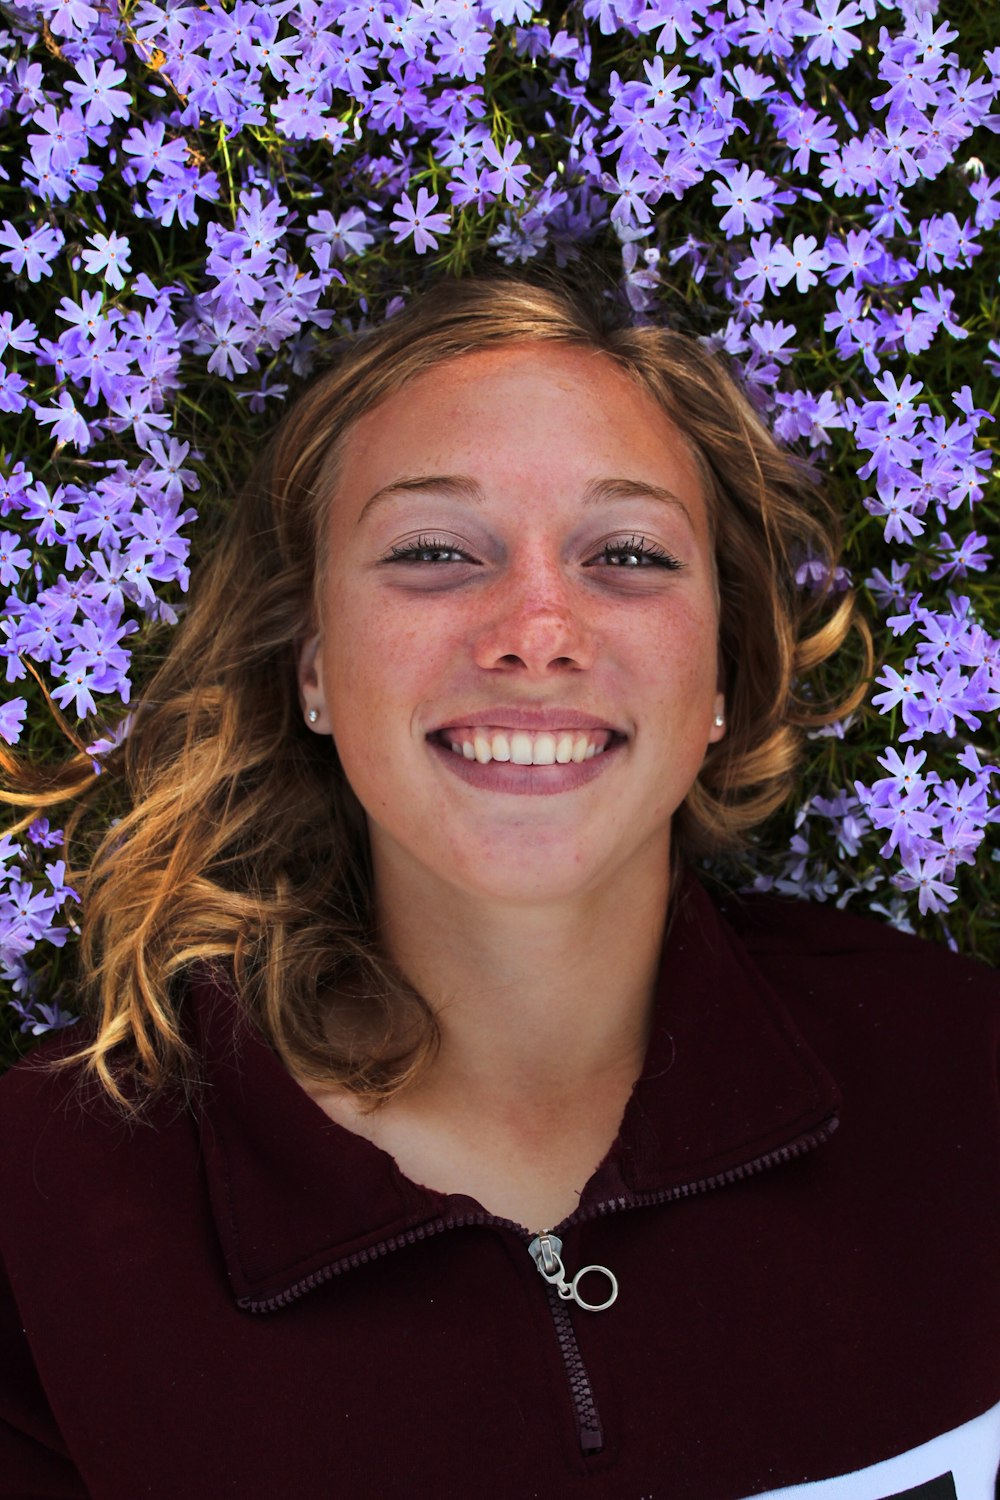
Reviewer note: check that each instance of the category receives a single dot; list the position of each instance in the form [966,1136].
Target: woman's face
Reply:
[520,565]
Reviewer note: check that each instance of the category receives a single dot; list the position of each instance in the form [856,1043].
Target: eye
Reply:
[427,549]
[635,552]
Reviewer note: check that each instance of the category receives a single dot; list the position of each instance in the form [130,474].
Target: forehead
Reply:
[527,408]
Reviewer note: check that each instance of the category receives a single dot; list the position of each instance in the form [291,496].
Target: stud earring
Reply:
[313,715]
[719,721]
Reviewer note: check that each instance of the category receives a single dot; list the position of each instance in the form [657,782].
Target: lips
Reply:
[523,747]
[538,720]
[529,764]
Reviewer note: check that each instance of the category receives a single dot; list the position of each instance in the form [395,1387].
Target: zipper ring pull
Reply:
[545,1252]
[572,1290]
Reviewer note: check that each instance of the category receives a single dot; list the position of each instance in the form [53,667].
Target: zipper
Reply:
[590,1434]
[798,1147]
[545,1251]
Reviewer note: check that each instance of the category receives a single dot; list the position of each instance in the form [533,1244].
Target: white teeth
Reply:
[520,749]
[545,750]
[524,749]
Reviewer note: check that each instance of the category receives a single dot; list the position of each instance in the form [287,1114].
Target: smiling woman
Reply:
[555,453]
[444,1057]
[549,601]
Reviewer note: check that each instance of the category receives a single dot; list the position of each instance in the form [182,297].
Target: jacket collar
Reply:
[728,1080]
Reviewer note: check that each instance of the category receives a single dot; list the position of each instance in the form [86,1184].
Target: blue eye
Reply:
[426,550]
[636,552]
[631,552]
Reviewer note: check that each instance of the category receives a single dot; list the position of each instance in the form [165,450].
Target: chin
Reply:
[530,876]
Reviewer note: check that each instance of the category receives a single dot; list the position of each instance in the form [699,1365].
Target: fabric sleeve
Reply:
[34,1463]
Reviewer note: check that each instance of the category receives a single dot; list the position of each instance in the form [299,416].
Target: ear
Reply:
[310,679]
[718,728]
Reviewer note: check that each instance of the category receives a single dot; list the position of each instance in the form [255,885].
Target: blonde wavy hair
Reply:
[242,846]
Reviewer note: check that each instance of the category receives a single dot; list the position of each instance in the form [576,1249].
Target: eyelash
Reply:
[637,545]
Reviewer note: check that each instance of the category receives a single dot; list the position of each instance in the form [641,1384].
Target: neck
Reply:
[536,1004]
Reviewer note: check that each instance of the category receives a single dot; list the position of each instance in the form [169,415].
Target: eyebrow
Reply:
[460,487]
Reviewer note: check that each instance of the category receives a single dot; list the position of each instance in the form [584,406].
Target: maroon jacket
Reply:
[248,1300]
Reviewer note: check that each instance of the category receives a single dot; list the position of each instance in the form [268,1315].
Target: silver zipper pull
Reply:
[546,1251]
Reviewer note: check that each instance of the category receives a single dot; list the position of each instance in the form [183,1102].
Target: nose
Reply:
[536,623]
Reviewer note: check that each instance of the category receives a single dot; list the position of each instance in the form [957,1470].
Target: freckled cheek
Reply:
[390,661]
[682,653]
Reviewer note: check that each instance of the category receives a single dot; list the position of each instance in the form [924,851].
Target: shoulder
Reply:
[38,1087]
[45,1083]
[63,1138]
[781,927]
[50,1085]
[852,981]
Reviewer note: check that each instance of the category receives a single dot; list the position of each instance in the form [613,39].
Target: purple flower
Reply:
[39,832]
[241,281]
[33,254]
[97,657]
[78,690]
[904,776]
[903,816]
[56,875]
[763,268]
[174,194]
[421,221]
[68,426]
[632,183]
[801,414]
[463,49]
[986,192]
[30,916]
[958,559]
[805,260]
[12,388]
[152,152]
[927,876]
[746,196]
[832,41]
[13,558]
[97,95]
[61,140]
[110,255]
[970,760]
[170,476]
[771,28]
[505,178]
[227,338]
[12,716]
[858,256]
[71,17]
[905,691]
[41,1017]
[22,335]
[345,234]
[470,183]
[804,131]
[111,741]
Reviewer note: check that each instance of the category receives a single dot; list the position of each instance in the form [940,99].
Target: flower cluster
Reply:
[33,891]
[194,196]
